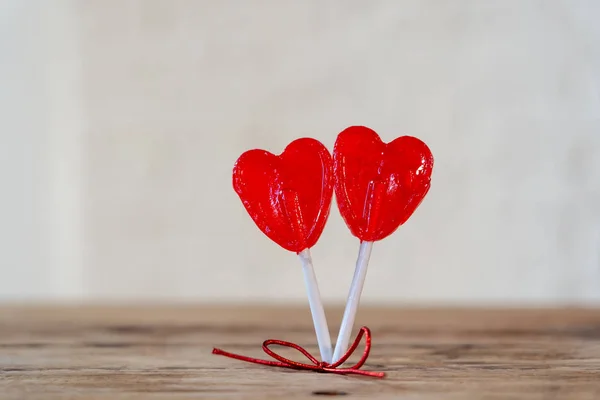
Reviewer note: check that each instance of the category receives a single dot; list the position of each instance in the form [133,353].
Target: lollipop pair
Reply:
[377,186]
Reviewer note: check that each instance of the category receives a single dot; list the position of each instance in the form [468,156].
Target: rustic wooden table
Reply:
[165,353]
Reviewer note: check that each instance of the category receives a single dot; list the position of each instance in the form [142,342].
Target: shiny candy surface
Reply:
[289,195]
[379,185]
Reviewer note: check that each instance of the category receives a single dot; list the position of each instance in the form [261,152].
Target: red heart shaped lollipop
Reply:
[288,196]
[377,185]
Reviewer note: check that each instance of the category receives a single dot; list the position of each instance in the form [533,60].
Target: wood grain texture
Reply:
[165,353]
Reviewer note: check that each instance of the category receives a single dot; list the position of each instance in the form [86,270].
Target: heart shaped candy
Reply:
[288,196]
[378,186]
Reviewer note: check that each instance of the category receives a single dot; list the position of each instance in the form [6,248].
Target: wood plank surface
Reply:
[165,353]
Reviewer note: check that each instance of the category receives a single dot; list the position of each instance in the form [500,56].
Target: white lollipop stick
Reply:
[358,281]
[370,214]
[292,208]
[316,306]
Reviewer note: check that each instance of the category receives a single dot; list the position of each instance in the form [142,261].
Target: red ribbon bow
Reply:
[318,366]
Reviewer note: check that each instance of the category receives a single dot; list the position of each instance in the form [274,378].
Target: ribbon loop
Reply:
[294,346]
[318,366]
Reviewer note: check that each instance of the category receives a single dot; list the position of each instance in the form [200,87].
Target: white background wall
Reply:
[121,120]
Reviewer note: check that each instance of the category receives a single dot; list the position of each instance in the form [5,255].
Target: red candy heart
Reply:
[377,185]
[288,196]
